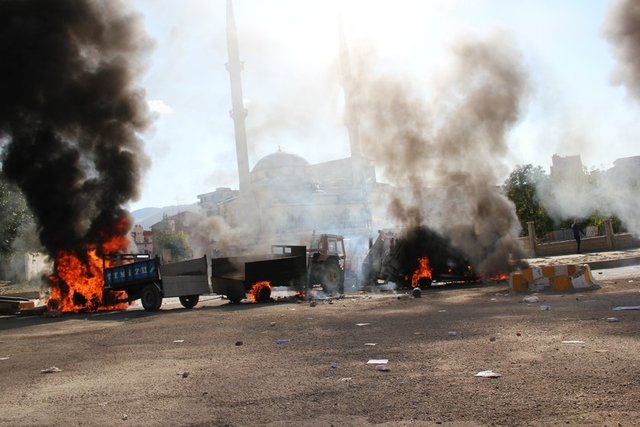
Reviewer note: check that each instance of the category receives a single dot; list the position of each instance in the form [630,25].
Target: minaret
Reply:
[351,117]
[238,113]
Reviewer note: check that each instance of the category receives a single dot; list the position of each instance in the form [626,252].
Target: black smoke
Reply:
[71,114]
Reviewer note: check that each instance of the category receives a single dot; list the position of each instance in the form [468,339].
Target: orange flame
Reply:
[77,283]
[423,272]
[260,292]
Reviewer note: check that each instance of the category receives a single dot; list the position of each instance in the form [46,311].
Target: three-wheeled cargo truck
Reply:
[145,278]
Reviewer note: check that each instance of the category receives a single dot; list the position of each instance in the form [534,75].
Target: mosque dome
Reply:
[279,160]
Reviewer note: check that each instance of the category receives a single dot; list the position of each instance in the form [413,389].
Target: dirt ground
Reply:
[294,364]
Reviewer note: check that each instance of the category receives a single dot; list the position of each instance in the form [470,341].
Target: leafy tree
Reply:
[15,217]
[520,187]
[166,238]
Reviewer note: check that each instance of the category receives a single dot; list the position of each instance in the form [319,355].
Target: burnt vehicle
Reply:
[294,266]
[416,257]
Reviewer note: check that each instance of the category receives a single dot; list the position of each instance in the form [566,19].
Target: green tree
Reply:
[15,217]
[166,238]
[520,187]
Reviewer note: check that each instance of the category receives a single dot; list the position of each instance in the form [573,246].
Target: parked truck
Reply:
[403,256]
[147,279]
[321,265]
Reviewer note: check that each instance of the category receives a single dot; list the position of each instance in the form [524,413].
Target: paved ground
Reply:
[563,361]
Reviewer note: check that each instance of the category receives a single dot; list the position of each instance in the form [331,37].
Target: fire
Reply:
[496,277]
[260,292]
[423,272]
[77,283]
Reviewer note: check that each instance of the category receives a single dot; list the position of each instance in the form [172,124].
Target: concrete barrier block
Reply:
[518,282]
[561,270]
[548,271]
[561,283]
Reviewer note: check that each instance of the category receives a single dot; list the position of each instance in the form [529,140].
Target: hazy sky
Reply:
[295,102]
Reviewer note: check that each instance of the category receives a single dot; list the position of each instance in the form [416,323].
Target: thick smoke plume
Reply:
[622,30]
[70,115]
[450,152]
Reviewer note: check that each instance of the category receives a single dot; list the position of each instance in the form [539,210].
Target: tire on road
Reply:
[151,298]
[189,301]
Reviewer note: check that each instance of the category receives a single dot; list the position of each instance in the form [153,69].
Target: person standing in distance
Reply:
[577,230]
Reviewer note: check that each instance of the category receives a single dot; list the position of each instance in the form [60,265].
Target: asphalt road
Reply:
[567,359]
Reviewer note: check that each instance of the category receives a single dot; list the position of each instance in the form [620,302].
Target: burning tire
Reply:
[424,283]
[189,301]
[151,298]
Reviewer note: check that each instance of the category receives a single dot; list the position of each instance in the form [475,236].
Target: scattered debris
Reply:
[601,351]
[631,307]
[51,370]
[272,324]
[416,292]
[452,333]
[184,374]
[239,343]
[369,344]
[545,307]
[612,319]
[282,341]
[125,417]
[378,361]
[492,339]
[334,365]
[518,334]
[442,311]
[532,299]
[312,304]
[4,358]
[488,374]
[572,342]
[383,368]
[178,341]
[346,379]
[363,324]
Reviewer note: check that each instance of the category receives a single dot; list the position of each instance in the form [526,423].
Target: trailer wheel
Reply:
[189,301]
[151,298]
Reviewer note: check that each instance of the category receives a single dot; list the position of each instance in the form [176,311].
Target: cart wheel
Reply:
[189,301]
[151,298]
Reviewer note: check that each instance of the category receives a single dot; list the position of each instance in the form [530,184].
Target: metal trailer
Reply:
[146,278]
[233,277]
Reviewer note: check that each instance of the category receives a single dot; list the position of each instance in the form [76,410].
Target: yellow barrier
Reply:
[555,277]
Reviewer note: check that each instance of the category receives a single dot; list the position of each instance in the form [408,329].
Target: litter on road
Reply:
[630,307]
[378,361]
[612,319]
[369,344]
[363,324]
[531,299]
[488,374]
[572,342]
[4,358]
[51,370]
[178,341]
